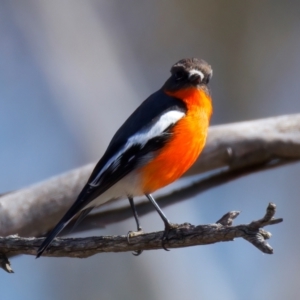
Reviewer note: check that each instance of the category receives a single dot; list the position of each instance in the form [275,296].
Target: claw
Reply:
[134,233]
[137,252]
[163,245]
[128,236]
[168,226]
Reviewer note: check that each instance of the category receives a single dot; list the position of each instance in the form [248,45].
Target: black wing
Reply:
[156,105]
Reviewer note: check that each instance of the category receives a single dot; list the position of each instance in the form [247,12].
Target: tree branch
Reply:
[183,235]
[35,210]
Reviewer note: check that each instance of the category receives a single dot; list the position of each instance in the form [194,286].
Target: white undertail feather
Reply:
[130,185]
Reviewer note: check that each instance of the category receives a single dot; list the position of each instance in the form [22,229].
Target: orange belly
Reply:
[187,142]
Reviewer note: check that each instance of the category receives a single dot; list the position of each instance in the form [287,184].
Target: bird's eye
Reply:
[179,75]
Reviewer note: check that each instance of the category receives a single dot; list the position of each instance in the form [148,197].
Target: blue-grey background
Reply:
[70,74]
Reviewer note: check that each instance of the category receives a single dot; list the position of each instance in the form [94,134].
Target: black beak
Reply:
[195,78]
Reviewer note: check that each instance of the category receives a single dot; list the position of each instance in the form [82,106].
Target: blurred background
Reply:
[72,71]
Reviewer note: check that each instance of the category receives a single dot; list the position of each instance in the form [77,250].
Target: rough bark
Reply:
[183,235]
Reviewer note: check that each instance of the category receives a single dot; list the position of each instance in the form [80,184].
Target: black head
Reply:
[190,72]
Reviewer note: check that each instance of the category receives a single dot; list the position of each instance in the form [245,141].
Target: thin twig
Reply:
[5,263]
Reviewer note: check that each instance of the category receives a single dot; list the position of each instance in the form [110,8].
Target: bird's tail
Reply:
[50,237]
[74,209]
[78,205]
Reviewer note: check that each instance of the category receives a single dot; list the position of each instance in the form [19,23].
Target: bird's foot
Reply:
[168,227]
[131,234]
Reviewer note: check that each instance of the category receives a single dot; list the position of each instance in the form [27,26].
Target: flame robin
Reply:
[158,143]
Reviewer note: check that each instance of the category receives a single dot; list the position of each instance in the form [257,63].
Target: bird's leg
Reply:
[135,214]
[167,223]
[139,228]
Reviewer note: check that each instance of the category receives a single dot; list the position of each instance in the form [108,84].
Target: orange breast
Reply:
[187,142]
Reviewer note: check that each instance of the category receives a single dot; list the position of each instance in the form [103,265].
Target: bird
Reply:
[154,147]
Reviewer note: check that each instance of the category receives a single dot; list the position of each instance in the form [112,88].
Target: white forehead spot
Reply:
[193,72]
